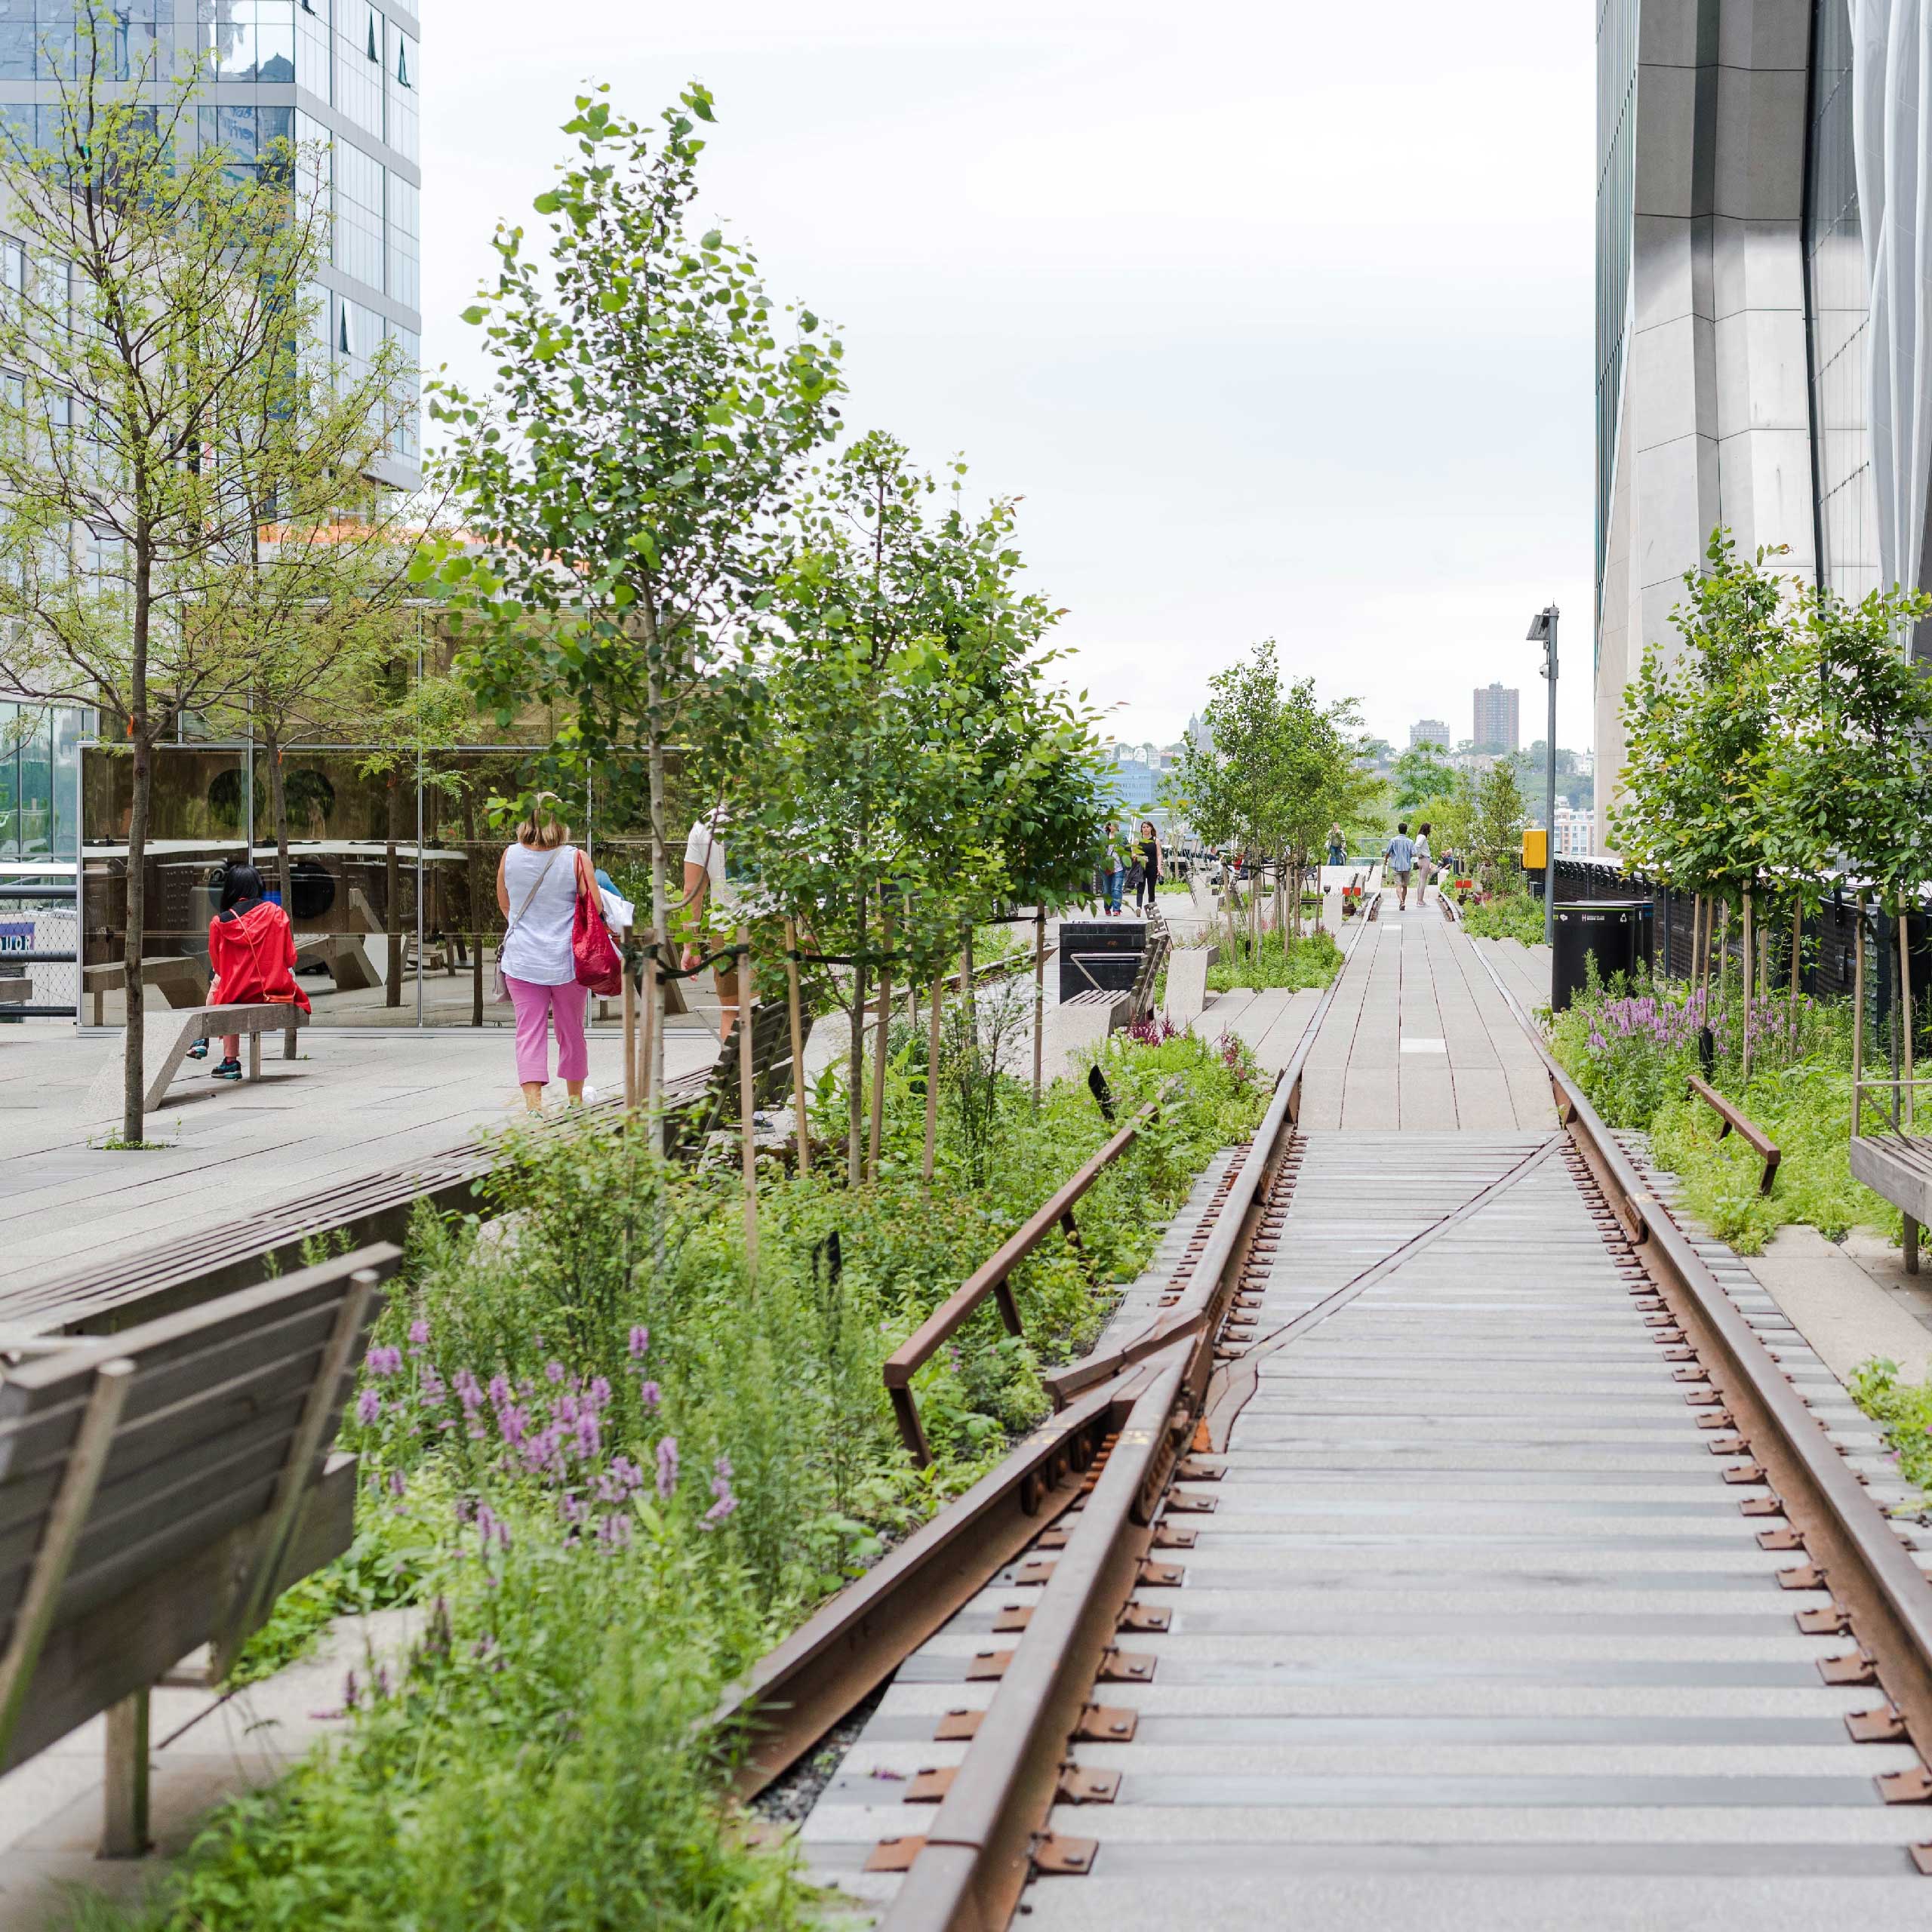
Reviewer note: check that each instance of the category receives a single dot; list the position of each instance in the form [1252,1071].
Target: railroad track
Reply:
[1450,1547]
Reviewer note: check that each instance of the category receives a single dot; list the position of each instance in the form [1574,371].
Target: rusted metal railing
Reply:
[1747,1129]
[994,1278]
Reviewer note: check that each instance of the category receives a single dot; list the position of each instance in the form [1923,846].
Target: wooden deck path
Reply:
[1418,1039]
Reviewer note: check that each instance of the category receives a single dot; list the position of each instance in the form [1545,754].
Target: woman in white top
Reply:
[1423,861]
[707,882]
[537,884]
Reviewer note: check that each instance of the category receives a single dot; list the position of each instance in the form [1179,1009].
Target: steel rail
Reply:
[983,1844]
[851,1644]
[1885,1599]
[1217,1272]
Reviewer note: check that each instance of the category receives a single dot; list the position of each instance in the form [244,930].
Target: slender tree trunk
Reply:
[1797,961]
[473,867]
[1039,1000]
[747,1116]
[880,1045]
[278,812]
[1745,986]
[932,1075]
[855,1064]
[1858,1024]
[392,894]
[134,1036]
[797,1045]
[1909,1066]
[660,889]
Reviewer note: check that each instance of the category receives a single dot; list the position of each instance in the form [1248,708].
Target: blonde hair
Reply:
[544,829]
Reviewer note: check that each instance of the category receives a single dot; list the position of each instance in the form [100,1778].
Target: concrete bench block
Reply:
[1077,1026]
[1187,984]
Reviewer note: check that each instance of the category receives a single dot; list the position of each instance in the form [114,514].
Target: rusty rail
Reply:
[1747,1129]
[992,1277]
[1880,1596]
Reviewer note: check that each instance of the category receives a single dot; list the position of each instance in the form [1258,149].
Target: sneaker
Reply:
[199,1051]
[230,1069]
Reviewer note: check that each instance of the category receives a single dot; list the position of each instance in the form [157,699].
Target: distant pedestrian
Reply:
[1338,852]
[709,882]
[251,959]
[1113,869]
[1422,857]
[538,885]
[1399,855]
[1143,872]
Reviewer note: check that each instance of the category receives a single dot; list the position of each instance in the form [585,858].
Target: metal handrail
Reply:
[1748,1129]
[992,1278]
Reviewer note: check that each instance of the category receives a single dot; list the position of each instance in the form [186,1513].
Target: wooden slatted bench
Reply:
[1900,1170]
[1153,958]
[158,1492]
[696,1104]
[211,1023]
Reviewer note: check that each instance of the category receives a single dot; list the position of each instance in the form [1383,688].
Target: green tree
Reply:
[163,397]
[1421,773]
[645,422]
[1495,816]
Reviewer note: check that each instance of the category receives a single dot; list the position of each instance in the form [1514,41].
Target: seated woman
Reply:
[251,954]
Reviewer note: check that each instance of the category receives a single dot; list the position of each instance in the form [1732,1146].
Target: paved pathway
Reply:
[1418,1037]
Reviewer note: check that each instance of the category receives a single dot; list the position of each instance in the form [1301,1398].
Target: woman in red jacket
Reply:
[251,953]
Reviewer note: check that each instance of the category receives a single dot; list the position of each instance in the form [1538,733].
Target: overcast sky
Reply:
[1277,315]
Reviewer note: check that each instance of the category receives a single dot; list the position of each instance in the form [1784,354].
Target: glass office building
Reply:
[342,82]
[1758,331]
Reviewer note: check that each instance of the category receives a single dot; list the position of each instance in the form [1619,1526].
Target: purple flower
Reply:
[667,1467]
[500,1390]
[615,1530]
[468,1391]
[721,1488]
[432,1391]
[554,1371]
[368,1406]
[397,1485]
[597,1395]
[650,1395]
[418,1334]
[589,1436]
[514,1422]
[640,1343]
[383,1361]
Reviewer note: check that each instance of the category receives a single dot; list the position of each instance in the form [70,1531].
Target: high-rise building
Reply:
[340,76]
[1428,731]
[1757,351]
[1496,715]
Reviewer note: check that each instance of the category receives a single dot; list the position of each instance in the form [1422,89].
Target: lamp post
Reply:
[1543,630]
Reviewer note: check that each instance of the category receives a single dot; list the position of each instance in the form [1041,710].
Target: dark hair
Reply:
[1402,828]
[1423,828]
[239,882]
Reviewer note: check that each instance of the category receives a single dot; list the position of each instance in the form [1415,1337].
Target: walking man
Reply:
[1399,857]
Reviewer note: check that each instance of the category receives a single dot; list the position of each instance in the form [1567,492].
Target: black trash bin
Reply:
[1617,933]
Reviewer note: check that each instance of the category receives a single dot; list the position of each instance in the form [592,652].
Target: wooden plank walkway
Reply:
[1418,1039]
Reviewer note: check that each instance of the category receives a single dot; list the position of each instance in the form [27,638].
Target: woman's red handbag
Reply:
[594,951]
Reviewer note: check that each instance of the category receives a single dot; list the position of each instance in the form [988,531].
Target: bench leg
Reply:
[125,1809]
[288,1044]
[254,1056]
[1911,1246]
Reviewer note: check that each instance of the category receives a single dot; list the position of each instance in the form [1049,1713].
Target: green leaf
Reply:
[549,202]
[474,314]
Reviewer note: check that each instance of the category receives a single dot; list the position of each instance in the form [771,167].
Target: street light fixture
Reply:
[1542,631]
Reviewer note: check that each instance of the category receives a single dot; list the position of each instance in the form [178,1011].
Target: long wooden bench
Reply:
[158,1492]
[1900,1170]
[1153,958]
[696,1104]
[212,1022]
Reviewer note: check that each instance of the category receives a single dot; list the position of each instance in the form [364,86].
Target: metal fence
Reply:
[39,944]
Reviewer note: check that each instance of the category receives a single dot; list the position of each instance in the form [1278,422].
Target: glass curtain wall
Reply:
[1838,319]
[391,885]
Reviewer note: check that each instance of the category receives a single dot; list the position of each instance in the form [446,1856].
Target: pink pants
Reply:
[564,1007]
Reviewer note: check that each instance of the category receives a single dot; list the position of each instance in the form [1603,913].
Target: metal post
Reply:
[747,1122]
[1543,628]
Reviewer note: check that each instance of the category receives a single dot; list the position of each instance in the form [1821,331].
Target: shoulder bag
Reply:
[501,995]
[593,951]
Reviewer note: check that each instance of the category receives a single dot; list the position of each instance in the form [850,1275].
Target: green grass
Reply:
[1904,1408]
[1508,916]
[1280,960]
[615,1470]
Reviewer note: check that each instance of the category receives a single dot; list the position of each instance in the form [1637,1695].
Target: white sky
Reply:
[1277,315]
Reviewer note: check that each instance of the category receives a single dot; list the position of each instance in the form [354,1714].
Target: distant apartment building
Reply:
[1429,731]
[1574,827]
[1497,728]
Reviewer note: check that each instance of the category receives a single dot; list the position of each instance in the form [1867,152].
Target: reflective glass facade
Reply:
[1838,320]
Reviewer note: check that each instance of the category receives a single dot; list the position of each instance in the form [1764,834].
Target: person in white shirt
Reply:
[706,883]
[538,880]
[1423,861]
